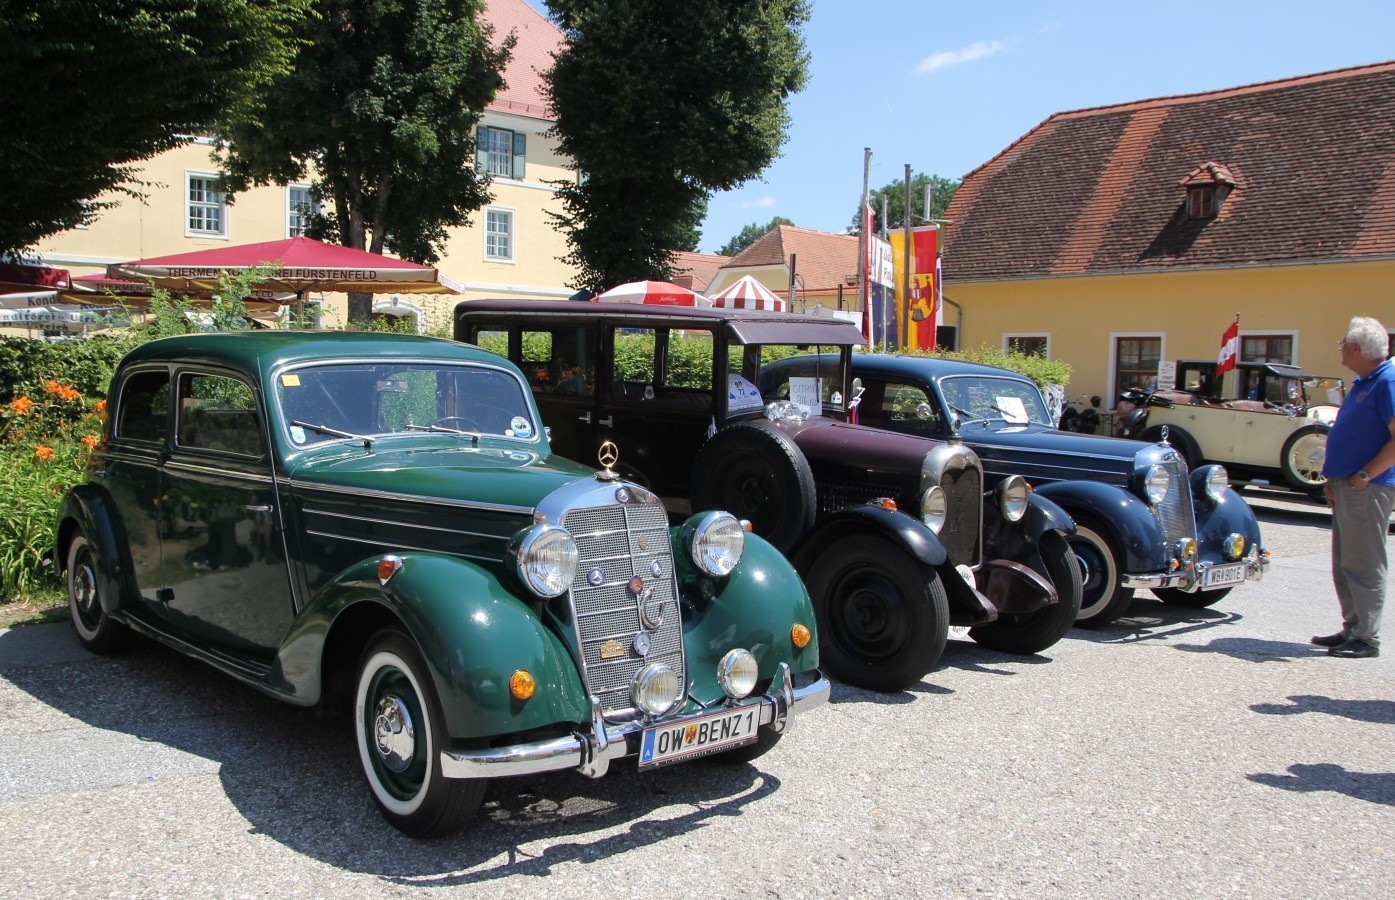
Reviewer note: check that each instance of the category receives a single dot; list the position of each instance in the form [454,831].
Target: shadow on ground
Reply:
[1378,711]
[1373,787]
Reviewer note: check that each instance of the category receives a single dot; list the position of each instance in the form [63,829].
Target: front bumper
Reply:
[1256,564]
[592,751]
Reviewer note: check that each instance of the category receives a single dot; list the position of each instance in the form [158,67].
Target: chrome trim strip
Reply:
[239,474]
[587,493]
[591,753]
[309,487]
[379,542]
[338,515]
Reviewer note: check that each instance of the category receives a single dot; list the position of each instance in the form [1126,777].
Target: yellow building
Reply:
[510,248]
[1118,237]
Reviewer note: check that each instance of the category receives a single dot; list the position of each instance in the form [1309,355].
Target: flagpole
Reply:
[863,243]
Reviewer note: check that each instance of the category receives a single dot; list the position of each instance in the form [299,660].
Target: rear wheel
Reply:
[400,731]
[1303,455]
[1033,632]
[883,616]
[1198,600]
[1103,599]
[97,630]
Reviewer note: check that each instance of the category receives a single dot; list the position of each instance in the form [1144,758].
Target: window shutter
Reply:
[520,144]
[481,154]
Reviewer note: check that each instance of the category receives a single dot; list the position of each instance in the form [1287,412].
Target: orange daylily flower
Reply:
[44,453]
[69,394]
[89,441]
[101,406]
[52,387]
[21,405]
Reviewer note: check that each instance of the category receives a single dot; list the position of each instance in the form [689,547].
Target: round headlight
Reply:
[1234,545]
[1156,481]
[1012,497]
[546,559]
[1217,482]
[715,545]
[934,508]
[737,673]
[656,689]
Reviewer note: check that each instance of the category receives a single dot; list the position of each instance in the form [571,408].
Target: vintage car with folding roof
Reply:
[1142,520]
[1273,431]
[894,536]
[379,519]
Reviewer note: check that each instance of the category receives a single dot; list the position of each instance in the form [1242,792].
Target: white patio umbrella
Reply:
[655,293]
[748,293]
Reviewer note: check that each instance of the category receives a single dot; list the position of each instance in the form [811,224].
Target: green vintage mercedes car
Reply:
[378,521]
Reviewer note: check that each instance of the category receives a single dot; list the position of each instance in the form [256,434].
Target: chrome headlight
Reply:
[934,508]
[656,689]
[1234,546]
[1217,482]
[1156,481]
[715,544]
[546,559]
[1012,497]
[737,673]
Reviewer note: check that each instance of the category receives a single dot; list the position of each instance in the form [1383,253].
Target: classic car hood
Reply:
[830,442]
[1042,454]
[486,475]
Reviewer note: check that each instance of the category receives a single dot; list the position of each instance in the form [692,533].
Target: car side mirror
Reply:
[924,412]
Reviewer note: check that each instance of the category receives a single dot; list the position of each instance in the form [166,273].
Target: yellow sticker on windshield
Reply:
[290,379]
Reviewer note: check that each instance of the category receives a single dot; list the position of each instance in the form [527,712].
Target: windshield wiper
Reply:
[325,429]
[968,415]
[473,435]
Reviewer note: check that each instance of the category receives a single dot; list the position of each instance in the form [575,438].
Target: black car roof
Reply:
[924,367]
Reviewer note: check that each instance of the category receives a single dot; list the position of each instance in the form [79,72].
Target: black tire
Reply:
[1302,458]
[1198,600]
[1180,440]
[403,766]
[1103,599]
[96,629]
[1033,632]
[883,616]
[755,472]
[766,739]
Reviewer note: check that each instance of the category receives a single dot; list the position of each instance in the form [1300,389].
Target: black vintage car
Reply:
[1143,520]
[897,537]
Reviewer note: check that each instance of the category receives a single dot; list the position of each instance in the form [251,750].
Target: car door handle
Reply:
[608,421]
[257,509]
[586,418]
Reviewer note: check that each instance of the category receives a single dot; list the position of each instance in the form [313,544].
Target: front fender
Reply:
[1018,540]
[1216,520]
[907,532]
[1129,518]
[472,633]
[89,508]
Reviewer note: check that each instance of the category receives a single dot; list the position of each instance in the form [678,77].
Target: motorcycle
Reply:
[1083,421]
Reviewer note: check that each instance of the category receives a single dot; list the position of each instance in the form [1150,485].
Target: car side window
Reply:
[218,413]
[142,409]
[560,360]
[907,405]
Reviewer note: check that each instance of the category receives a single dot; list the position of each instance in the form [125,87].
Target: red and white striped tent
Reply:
[657,293]
[748,293]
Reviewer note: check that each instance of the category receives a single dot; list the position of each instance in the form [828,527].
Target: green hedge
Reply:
[1038,368]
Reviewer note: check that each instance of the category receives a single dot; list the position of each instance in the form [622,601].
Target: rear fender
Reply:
[472,632]
[1129,518]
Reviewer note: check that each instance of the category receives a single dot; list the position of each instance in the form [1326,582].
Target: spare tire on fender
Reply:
[758,473]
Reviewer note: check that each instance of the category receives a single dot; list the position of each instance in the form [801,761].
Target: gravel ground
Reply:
[1175,753]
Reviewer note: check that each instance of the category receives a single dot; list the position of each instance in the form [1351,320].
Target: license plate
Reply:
[674,742]
[1219,576]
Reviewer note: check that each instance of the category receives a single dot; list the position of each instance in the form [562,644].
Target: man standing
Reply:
[1360,470]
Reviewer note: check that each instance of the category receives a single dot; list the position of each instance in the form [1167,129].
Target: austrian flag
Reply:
[1230,348]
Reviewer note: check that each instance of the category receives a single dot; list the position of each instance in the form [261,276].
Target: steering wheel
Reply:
[462,423]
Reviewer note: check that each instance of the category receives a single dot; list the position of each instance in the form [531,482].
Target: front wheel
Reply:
[1103,599]
[883,616]
[400,730]
[96,630]
[1033,632]
[1197,600]
[1303,455]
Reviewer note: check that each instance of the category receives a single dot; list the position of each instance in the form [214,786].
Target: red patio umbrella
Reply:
[658,293]
[748,293]
[24,278]
[103,290]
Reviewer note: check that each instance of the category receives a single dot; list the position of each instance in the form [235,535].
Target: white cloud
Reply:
[946,58]
[759,202]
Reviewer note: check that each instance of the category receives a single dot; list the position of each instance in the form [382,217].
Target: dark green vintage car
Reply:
[379,519]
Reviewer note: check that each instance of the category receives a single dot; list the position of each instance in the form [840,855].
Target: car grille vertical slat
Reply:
[963,489]
[1175,514]
[622,541]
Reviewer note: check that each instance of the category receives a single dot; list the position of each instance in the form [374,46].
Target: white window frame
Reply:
[1291,333]
[190,205]
[1114,361]
[1009,335]
[512,215]
[292,212]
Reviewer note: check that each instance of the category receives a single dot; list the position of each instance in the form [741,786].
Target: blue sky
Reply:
[946,86]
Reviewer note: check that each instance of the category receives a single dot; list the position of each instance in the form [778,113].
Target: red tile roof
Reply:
[823,261]
[1103,189]
[532,55]
[695,271]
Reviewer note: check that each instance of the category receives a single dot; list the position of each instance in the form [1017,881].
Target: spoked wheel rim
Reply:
[1305,459]
[83,598]
[1098,573]
[872,620]
[395,744]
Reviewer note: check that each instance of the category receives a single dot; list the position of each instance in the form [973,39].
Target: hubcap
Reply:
[395,734]
[85,592]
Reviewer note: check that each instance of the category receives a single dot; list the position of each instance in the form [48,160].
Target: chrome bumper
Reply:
[592,752]
[1256,564]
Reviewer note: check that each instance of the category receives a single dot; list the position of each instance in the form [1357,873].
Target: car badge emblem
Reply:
[608,455]
[1163,439]
[636,586]
[641,643]
[622,495]
[690,734]
[644,542]
[655,569]
[595,577]
[611,649]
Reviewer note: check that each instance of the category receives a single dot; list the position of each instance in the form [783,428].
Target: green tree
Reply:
[941,192]
[659,104]
[381,110]
[750,234]
[94,86]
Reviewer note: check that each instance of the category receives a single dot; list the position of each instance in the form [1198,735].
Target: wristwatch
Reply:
[1363,475]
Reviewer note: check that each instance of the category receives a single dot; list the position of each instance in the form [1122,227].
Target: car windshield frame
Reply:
[967,405]
[334,401]
[835,377]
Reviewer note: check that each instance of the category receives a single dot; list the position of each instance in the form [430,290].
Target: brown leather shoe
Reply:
[1355,649]
[1330,640]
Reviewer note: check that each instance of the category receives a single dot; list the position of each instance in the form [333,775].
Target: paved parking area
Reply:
[1175,753]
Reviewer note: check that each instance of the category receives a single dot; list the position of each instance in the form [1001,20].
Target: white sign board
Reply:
[808,393]
[1167,375]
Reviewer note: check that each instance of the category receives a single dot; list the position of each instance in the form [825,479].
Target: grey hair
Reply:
[1370,336]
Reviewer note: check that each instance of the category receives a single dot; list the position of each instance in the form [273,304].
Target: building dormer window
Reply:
[1207,187]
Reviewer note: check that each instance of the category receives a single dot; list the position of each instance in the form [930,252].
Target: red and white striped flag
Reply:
[1230,348]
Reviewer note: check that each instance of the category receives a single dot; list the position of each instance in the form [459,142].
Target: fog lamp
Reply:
[1185,549]
[522,684]
[800,636]
[1234,545]
[656,689]
[737,673]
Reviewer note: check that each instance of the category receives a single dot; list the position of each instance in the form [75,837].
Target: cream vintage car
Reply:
[1274,433]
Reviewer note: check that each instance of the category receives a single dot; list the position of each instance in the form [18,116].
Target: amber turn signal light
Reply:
[388,566]
[886,503]
[522,684]
[799,636]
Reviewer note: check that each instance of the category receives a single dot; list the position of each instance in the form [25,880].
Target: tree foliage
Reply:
[750,234]
[659,104]
[380,111]
[94,86]
[941,192]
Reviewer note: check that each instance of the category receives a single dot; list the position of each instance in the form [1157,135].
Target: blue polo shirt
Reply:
[1363,425]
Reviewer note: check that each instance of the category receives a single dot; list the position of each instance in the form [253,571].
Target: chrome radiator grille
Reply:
[964,492]
[622,541]
[1175,512]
